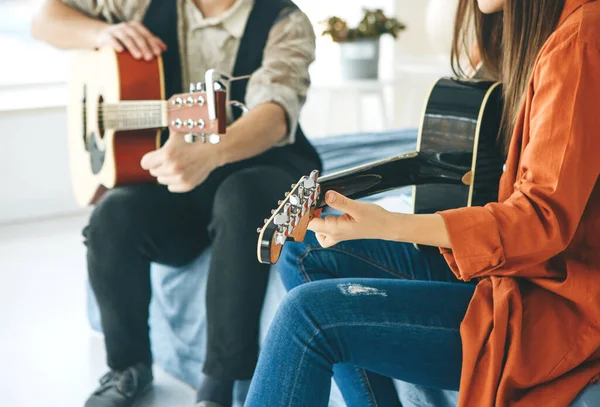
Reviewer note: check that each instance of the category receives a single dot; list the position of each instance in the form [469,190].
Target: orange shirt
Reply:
[531,335]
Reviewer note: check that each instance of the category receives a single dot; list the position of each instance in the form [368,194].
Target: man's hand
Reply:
[133,37]
[360,220]
[182,166]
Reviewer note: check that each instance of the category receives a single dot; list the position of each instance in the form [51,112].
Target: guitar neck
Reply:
[414,168]
[134,115]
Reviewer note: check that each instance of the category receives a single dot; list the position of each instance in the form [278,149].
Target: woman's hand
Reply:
[360,220]
[363,220]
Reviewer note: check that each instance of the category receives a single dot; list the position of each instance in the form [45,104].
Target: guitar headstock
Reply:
[290,220]
[189,113]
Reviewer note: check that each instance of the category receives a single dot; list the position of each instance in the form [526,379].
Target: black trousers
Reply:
[133,226]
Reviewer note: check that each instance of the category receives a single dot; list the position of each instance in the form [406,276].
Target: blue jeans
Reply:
[381,310]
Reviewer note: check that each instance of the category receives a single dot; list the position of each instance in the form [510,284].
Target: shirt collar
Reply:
[570,7]
[233,20]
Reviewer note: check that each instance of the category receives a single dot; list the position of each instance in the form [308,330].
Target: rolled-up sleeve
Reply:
[558,170]
[111,11]
[283,77]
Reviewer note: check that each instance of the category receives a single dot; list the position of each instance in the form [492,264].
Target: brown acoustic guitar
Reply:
[116,113]
[457,163]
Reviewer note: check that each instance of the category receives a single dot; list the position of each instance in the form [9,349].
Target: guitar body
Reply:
[100,158]
[461,119]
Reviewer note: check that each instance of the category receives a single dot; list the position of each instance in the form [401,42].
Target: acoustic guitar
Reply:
[457,163]
[116,113]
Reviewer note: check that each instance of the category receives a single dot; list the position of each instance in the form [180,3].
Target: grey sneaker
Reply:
[121,388]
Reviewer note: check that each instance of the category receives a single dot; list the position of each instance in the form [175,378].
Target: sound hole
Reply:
[100,116]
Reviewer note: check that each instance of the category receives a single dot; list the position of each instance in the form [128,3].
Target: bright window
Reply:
[27,61]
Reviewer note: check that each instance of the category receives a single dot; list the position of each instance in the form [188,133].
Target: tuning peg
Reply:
[200,87]
[280,238]
[258,230]
[192,88]
[283,218]
[279,202]
[309,183]
[177,123]
[190,123]
[201,101]
[190,138]
[214,139]
[286,194]
[200,123]
[266,221]
[294,200]
[273,211]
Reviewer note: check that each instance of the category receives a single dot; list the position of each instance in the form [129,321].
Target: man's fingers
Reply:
[164,171]
[170,180]
[140,40]
[115,44]
[152,160]
[128,42]
[154,42]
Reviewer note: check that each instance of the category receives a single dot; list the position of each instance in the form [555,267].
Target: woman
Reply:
[512,316]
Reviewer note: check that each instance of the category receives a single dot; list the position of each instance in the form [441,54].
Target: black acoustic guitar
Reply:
[457,163]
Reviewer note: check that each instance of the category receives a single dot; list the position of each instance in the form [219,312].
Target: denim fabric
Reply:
[382,309]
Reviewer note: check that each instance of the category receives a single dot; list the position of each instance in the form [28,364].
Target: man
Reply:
[205,194]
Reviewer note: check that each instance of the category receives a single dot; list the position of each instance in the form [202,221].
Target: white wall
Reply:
[34,175]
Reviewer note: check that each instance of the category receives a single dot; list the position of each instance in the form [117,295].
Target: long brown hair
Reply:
[507,44]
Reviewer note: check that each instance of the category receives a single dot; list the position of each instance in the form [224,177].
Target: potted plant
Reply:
[359,46]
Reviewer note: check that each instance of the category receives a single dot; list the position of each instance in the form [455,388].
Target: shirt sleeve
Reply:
[558,169]
[283,77]
[111,11]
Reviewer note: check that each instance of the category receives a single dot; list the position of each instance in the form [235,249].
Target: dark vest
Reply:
[298,158]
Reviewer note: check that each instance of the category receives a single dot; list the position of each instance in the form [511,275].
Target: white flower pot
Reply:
[359,59]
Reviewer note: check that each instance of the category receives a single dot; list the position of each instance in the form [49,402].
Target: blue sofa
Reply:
[177,313]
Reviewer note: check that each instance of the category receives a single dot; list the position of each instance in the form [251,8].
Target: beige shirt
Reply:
[207,43]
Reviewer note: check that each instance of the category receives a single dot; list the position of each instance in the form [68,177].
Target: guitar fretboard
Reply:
[132,115]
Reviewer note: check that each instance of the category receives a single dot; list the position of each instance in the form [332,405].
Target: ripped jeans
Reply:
[381,310]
